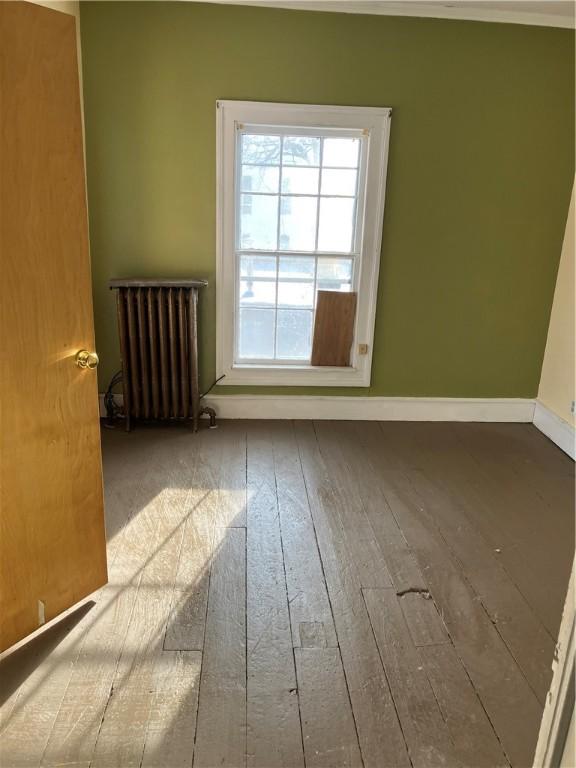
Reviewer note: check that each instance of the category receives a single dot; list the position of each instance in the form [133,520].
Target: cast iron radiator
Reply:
[157,324]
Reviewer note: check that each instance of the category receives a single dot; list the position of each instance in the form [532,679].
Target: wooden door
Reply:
[52,545]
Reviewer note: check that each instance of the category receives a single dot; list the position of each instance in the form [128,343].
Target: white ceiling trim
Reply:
[506,12]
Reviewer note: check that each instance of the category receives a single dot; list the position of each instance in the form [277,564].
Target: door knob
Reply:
[85,359]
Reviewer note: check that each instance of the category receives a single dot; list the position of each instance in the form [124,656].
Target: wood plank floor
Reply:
[290,594]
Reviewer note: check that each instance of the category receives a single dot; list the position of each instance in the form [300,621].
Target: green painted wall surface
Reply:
[479,178]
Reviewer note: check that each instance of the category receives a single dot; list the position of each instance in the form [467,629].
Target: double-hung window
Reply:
[300,209]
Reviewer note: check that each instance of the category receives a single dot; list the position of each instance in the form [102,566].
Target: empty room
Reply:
[288,384]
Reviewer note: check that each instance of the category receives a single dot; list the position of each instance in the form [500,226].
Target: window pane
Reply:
[333,285]
[336,224]
[258,266]
[300,181]
[296,294]
[334,269]
[258,222]
[297,266]
[259,178]
[260,150]
[297,223]
[257,292]
[256,333]
[341,153]
[337,182]
[301,150]
[294,340]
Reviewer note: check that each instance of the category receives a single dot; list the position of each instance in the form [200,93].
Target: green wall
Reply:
[479,178]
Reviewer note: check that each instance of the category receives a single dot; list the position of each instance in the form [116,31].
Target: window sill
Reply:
[295,376]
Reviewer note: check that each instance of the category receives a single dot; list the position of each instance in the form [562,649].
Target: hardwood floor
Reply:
[308,594]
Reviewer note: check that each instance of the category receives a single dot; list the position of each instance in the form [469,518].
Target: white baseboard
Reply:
[555,428]
[391,409]
[367,408]
[371,408]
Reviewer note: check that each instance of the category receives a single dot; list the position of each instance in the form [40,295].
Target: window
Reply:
[300,208]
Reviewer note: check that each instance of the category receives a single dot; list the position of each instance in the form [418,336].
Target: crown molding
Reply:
[424,10]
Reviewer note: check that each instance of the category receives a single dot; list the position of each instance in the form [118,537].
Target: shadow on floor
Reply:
[17,666]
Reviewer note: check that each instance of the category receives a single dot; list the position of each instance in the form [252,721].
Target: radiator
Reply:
[157,325]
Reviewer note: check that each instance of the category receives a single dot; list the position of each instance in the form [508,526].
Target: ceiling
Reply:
[549,13]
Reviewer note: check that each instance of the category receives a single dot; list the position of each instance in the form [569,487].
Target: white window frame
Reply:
[374,122]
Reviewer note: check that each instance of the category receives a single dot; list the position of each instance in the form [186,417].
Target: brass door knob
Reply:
[85,359]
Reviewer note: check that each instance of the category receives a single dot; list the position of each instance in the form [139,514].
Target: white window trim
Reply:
[374,120]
